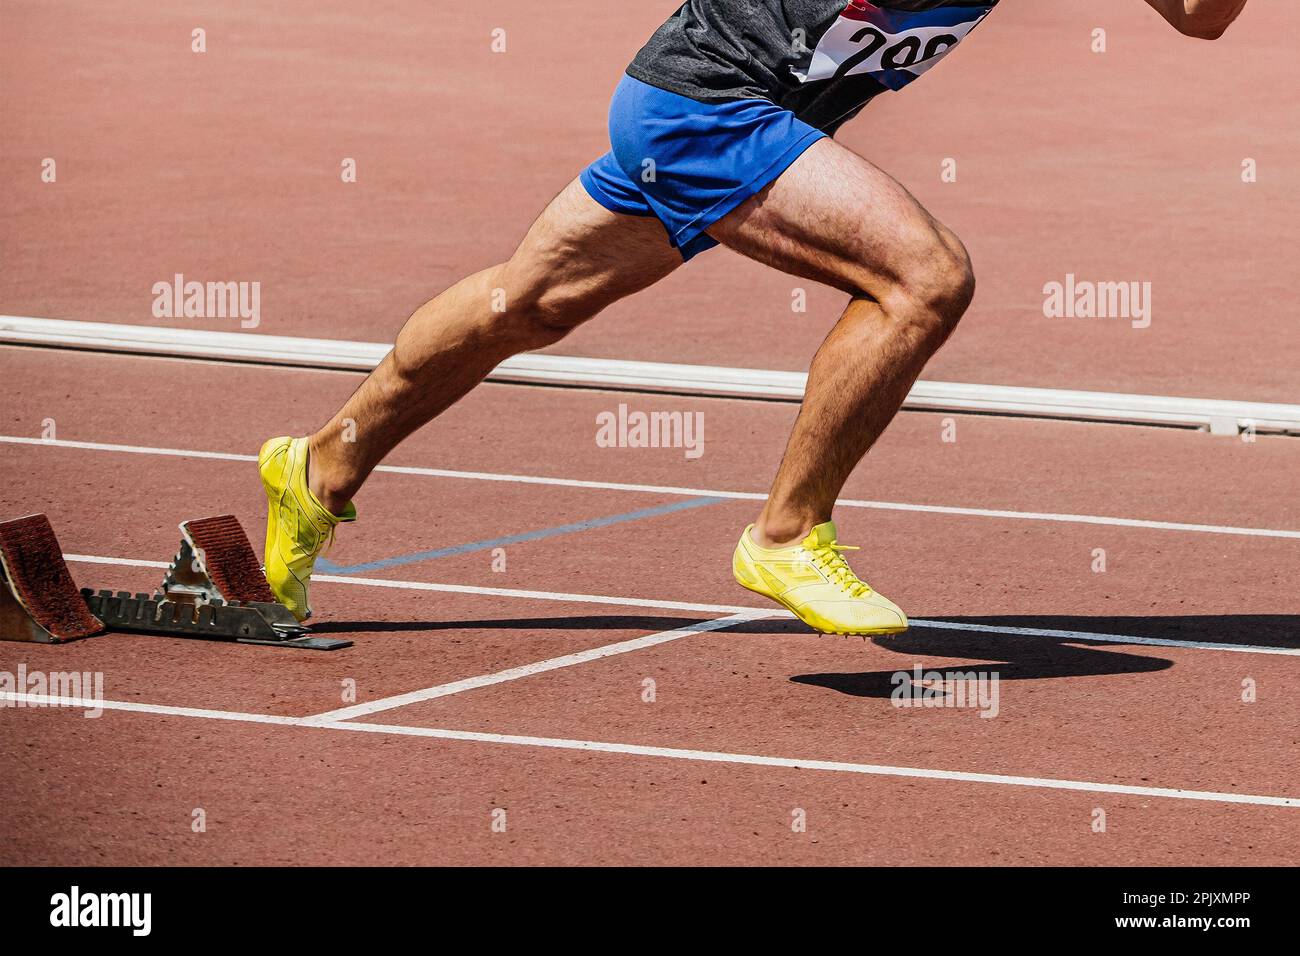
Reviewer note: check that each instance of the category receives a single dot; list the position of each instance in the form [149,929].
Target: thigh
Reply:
[581,253]
[836,218]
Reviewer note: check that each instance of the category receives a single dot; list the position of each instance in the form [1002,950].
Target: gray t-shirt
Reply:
[820,59]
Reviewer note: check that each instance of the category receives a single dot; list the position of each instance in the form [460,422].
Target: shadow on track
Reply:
[1033,657]
[1013,656]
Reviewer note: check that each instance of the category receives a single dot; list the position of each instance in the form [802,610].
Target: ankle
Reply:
[779,533]
[328,492]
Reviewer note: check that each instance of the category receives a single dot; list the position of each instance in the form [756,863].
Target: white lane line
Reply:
[697,492]
[834,766]
[752,612]
[1075,519]
[527,670]
[124,562]
[549,595]
[125,449]
[518,593]
[672,753]
[19,701]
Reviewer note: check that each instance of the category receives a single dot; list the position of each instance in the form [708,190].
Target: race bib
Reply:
[893,46]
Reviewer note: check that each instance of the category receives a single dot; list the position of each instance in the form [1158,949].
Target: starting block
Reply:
[38,601]
[214,588]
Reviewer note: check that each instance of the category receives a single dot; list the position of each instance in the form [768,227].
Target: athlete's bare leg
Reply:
[835,218]
[577,258]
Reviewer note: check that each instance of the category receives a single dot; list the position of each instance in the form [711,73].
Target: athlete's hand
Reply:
[1205,19]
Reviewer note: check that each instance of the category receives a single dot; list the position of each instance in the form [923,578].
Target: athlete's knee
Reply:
[561,307]
[936,288]
[942,279]
[546,314]
[537,309]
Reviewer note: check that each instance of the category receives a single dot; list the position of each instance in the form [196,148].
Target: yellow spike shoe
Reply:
[814,581]
[298,527]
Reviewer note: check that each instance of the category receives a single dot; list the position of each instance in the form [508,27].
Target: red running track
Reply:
[750,728]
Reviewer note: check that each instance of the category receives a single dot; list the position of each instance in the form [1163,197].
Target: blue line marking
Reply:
[330,567]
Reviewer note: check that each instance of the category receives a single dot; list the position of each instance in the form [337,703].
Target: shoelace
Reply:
[830,560]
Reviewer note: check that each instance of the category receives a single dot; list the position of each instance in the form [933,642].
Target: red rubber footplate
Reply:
[229,558]
[39,578]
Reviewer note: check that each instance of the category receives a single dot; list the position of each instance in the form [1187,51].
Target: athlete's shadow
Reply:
[1012,656]
[1015,656]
